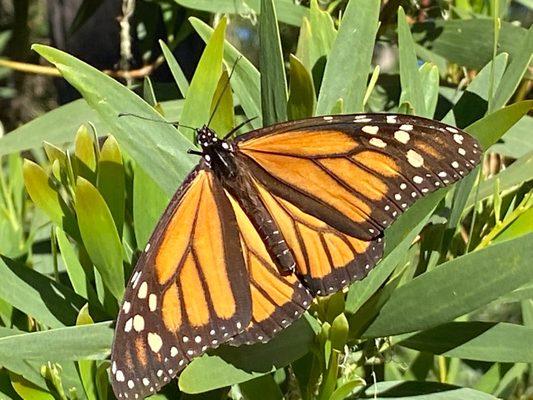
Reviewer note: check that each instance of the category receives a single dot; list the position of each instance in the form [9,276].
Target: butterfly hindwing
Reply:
[327,260]
[277,300]
[189,291]
[357,173]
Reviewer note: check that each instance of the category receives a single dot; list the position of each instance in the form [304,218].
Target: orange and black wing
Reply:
[334,184]
[277,300]
[189,291]
[327,260]
[358,172]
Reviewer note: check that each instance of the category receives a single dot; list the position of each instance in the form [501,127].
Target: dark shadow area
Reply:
[448,336]
[62,302]
[470,108]
[426,33]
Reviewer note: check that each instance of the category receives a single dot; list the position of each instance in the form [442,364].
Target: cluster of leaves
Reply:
[413,328]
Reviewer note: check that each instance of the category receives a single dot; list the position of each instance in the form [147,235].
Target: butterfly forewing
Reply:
[189,291]
[357,173]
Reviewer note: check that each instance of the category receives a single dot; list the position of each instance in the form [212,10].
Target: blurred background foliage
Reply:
[447,314]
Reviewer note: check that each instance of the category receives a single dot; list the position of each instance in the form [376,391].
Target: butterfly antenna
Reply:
[155,120]
[238,127]
[219,100]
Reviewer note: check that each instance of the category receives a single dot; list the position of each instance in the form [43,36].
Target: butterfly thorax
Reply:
[217,153]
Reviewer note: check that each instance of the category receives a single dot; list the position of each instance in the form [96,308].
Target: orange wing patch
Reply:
[327,260]
[308,177]
[306,143]
[276,300]
[189,291]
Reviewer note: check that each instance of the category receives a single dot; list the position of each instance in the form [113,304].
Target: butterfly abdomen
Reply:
[240,187]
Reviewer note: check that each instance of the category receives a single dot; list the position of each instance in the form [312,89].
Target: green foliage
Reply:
[428,322]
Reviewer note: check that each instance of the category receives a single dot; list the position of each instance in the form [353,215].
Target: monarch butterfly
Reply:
[265,223]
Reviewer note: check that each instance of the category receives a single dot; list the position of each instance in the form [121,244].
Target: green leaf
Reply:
[57,126]
[263,387]
[38,296]
[516,142]
[167,162]
[204,83]
[28,390]
[447,38]
[87,368]
[317,35]
[85,156]
[407,390]
[521,226]
[273,80]
[111,181]
[455,289]
[483,341]
[490,128]
[245,79]
[175,69]
[100,236]
[222,112]
[460,198]
[410,77]
[523,293]
[516,174]
[148,92]
[339,332]
[149,202]
[371,84]
[473,101]
[81,342]
[346,72]
[429,80]
[75,271]
[515,72]
[302,98]
[344,391]
[289,12]
[45,196]
[231,365]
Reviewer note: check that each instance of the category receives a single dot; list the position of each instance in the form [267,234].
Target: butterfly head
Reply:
[215,152]
[206,137]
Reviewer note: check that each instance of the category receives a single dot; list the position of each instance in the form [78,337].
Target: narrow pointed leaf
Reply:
[273,81]
[302,98]
[346,72]
[175,69]
[222,107]
[45,196]
[111,180]
[246,79]
[49,302]
[412,92]
[204,83]
[149,202]
[455,289]
[474,340]
[100,236]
